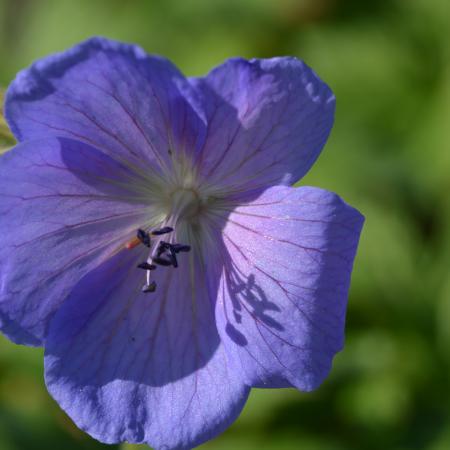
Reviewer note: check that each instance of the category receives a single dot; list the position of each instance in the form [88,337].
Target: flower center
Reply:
[185,205]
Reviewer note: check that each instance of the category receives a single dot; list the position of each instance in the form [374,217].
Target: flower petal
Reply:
[283,295]
[108,94]
[128,366]
[64,208]
[267,121]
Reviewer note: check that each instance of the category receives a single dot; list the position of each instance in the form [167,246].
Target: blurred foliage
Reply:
[6,137]
[389,155]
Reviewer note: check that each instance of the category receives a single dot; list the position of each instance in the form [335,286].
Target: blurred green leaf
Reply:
[6,137]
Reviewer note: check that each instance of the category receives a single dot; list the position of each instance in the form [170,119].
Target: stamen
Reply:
[164,230]
[149,287]
[162,261]
[180,248]
[146,266]
[144,237]
[163,246]
[164,255]
[173,258]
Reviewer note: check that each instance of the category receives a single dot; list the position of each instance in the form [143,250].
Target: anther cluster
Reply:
[165,254]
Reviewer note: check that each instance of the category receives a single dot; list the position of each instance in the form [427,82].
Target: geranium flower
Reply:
[152,241]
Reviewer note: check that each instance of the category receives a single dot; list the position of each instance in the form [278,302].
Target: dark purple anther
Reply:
[146,266]
[163,246]
[180,248]
[149,287]
[162,261]
[163,230]
[144,237]
[173,258]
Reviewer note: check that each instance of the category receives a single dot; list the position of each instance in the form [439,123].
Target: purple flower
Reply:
[152,242]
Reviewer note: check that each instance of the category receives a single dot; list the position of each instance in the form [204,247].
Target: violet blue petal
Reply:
[112,95]
[143,367]
[283,295]
[268,120]
[65,207]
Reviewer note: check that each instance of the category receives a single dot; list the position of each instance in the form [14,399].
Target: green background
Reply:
[388,155]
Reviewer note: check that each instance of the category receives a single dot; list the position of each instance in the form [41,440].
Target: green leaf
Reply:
[6,137]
